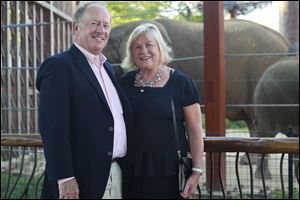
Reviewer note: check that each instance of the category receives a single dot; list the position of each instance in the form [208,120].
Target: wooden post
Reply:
[214,73]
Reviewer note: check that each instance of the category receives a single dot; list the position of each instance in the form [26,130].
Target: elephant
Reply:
[278,86]
[241,71]
[186,40]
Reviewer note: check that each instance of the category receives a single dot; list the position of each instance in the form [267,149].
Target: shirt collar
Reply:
[92,59]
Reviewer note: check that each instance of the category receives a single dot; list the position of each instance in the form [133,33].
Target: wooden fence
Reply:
[30,32]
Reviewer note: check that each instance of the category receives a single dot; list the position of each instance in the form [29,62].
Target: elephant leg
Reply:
[296,166]
[253,157]
[265,168]
[265,128]
[251,123]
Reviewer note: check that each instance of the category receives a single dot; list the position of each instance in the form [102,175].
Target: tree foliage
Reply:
[127,11]
[124,11]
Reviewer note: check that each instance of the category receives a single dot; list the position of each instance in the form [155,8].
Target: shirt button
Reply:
[111,129]
[109,153]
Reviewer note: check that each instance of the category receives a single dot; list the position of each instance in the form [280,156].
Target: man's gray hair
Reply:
[81,9]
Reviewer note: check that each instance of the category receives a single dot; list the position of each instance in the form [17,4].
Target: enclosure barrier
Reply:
[252,145]
[212,145]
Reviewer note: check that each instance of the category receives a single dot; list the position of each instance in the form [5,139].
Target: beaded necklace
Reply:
[138,82]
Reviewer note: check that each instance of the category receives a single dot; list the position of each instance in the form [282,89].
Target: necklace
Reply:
[138,82]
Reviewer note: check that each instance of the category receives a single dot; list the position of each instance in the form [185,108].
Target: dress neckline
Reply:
[164,86]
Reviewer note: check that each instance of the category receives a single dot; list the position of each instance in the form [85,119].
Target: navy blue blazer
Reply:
[76,123]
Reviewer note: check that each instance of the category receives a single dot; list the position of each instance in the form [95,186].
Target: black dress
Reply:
[152,158]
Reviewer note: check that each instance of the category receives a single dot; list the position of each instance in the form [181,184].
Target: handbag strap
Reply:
[174,117]
[175,127]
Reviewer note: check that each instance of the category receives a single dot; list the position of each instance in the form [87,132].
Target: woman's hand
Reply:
[191,185]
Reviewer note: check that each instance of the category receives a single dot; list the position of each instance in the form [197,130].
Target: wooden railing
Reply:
[262,146]
[212,145]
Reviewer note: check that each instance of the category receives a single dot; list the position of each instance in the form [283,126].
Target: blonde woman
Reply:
[151,157]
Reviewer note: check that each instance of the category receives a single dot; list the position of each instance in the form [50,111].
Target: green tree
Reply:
[124,11]
[184,10]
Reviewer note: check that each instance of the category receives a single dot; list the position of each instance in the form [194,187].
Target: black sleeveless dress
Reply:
[151,156]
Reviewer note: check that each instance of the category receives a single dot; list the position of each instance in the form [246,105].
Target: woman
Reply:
[152,158]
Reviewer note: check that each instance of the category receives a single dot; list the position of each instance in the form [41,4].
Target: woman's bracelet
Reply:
[196,169]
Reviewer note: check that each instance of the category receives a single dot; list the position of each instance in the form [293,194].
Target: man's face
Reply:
[92,30]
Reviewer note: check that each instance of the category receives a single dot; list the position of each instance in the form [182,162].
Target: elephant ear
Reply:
[160,26]
[163,31]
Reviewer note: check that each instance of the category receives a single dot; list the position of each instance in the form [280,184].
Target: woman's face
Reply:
[145,53]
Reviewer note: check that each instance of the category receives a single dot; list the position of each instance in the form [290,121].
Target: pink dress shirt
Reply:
[96,62]
[120,143]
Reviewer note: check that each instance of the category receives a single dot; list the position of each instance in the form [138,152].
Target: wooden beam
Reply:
[55,10]
[214,74]
[212,144]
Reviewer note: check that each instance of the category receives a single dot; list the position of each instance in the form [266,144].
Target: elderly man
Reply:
[83,114]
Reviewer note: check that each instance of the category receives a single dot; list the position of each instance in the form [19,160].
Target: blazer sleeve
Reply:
[54,117]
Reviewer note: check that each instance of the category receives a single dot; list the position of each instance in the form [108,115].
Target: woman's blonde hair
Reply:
[154,33]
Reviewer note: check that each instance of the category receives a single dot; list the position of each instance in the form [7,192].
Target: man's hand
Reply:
[68,189]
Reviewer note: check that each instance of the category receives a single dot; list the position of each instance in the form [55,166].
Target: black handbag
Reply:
[184,171]
[185,164]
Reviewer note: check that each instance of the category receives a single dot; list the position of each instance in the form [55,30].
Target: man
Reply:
[83,114]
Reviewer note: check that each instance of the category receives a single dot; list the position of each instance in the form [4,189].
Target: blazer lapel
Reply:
[112,77]
[125,102]
[127,110]
[83,65]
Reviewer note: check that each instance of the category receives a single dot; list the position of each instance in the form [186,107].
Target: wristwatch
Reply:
[198,170]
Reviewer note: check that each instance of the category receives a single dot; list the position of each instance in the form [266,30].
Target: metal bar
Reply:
[9,172]
[27,64]
[19,86]
[281,176]
[25,25]
[220,175]
[290,177]
[42,35]
[58,34]
[22,67]
[34,117]
[52,40]
[20,173]
[290,168]
[262,105]
[297,172]
[37,184]
[32,174]
[69,32]
[229,55]
[237,174]
[14,75]
[211,174]
[262,175]
[64,36]
[251,174]
[4,61]
[15,109]
[8,47]
[261,54]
